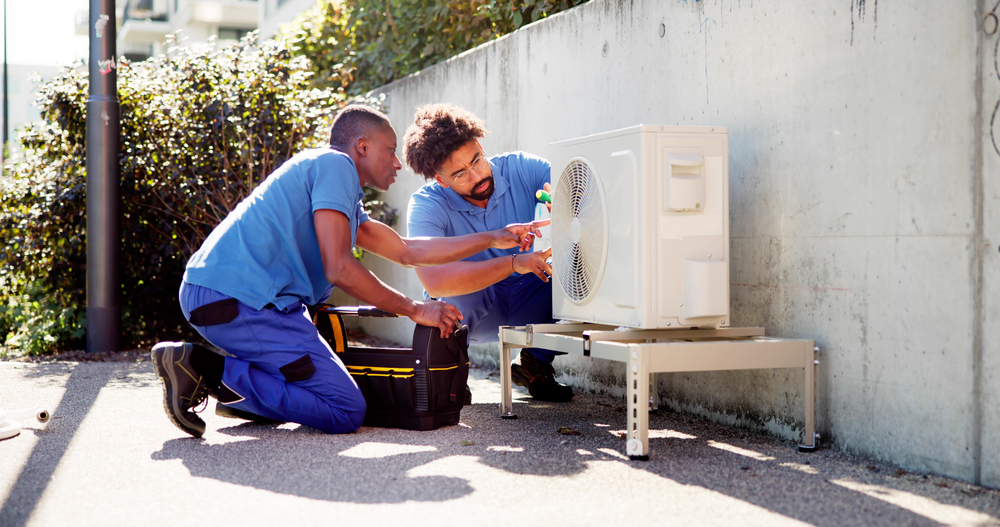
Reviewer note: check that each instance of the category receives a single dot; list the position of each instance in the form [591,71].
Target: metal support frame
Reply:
[649,352]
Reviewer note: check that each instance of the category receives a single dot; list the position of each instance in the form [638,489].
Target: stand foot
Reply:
[508,416]
[814,447]
[638,458]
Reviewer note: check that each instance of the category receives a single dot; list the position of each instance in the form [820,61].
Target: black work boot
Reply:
[538,378]
[183,387]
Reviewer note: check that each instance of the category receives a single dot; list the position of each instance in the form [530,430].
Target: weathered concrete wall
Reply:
[986,202]
[864,195]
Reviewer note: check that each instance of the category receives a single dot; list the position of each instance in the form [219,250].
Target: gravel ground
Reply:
[110,457]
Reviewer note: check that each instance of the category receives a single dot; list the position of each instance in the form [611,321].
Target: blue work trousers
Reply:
[514,301]
[261,344]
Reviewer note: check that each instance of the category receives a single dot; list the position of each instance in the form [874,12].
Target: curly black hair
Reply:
[437,131]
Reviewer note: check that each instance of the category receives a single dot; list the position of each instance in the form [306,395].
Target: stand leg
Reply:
[654,391]
[637,377]
[506,386]
[810,441]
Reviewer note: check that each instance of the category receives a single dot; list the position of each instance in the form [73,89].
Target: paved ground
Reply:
[110,457]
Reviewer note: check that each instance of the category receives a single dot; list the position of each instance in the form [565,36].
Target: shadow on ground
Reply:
[757,469]
[375,465]
[82,386]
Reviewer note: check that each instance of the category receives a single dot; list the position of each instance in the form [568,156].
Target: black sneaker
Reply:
[538,378]
[183,387]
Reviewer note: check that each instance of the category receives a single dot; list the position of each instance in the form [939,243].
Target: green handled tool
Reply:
[543,196]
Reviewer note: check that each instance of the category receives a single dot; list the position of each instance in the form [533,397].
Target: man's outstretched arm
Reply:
[378,238]
[333,232]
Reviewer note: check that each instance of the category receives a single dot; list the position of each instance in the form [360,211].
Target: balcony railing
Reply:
[146,10]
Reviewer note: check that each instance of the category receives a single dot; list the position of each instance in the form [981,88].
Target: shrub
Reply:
[199,130]
[359,45]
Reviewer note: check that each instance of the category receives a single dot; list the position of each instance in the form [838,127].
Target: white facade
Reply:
[143,25]
[274,13]
[21,93]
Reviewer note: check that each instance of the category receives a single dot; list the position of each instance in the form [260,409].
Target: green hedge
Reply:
[359,45]
[199,130]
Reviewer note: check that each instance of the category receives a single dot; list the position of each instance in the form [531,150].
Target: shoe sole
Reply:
[163,356]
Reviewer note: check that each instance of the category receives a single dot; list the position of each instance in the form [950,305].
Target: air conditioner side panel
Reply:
[693,235]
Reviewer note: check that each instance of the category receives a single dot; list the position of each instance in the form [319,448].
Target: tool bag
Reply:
[418,388]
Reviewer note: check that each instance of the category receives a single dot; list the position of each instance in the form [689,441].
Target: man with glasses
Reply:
[469,193]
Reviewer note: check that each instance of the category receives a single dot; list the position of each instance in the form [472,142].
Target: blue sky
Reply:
[42,32]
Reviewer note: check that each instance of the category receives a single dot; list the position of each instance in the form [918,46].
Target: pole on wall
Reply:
[103,184]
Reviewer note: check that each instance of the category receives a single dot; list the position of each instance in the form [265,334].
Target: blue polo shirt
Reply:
[439,211]
[266,251]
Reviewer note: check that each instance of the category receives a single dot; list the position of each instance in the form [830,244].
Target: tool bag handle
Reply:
[356,311]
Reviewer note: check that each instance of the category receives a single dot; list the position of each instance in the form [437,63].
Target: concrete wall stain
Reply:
[996,109]
[860,11]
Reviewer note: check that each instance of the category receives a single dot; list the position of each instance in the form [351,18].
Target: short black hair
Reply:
[354,121]
[438,130]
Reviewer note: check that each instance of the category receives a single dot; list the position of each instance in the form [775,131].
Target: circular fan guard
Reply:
[579,231]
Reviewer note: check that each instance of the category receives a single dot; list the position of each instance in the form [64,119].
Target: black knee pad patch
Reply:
[216,313]
[300,369]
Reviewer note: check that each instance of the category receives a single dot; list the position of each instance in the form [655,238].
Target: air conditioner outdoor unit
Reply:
[640,227]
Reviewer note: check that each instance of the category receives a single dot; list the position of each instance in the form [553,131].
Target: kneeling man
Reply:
[284,248]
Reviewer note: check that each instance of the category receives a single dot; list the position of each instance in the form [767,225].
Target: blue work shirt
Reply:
[266,251]
[439,211]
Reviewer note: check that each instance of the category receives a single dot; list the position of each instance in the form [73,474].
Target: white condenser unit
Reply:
[640,227]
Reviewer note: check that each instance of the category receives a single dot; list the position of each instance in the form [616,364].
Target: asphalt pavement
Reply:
[109,456]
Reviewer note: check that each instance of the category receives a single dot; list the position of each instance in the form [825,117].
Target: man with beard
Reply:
[468,193]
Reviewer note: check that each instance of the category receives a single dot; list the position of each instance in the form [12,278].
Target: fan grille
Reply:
[579,231]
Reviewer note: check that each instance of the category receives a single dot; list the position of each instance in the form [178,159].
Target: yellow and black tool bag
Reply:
[418,388]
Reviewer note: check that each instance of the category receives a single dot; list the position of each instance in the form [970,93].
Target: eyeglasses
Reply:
[477,166]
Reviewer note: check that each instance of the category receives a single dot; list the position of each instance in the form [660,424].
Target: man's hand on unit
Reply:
[533,263]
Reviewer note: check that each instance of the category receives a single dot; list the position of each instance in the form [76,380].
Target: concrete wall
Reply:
[864,195]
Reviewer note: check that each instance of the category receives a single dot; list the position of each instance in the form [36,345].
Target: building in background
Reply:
[22,88]
[143,25]
[274,13]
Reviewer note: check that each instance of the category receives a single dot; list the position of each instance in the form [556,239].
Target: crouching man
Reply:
[469,193]
[284,248]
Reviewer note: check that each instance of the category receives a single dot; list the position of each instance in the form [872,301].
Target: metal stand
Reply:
[648,352]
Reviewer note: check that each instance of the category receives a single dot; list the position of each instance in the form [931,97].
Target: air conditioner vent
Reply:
[581,232]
